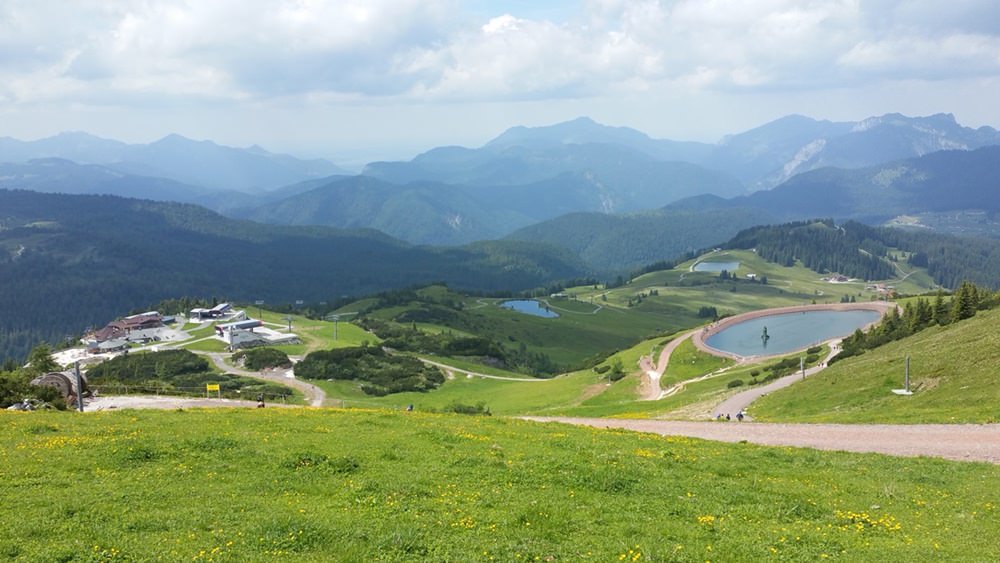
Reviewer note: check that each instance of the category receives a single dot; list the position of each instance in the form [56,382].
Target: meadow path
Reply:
[314,395]
[960,442]
[740,401]
[467,373]
[652,391]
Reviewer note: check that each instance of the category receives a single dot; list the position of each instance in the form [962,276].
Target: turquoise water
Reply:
[788,331]
[716,266]
[529,307]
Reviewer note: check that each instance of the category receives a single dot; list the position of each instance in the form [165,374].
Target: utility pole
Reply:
[906,382]
[336,320]
[79,386]
[802,366]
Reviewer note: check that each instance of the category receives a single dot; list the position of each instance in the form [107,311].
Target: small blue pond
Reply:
[716,266]
[529,307]
[788,332]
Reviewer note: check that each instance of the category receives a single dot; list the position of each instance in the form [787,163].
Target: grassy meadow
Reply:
[322,485]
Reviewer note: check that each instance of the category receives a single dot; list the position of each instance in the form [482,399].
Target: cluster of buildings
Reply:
[118,334]
[248,333]
[238,330]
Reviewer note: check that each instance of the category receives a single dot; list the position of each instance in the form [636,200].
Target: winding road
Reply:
[314,395]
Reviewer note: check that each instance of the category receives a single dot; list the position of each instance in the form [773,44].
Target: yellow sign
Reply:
[211,387]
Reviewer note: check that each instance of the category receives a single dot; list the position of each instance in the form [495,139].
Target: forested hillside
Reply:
[69,262]
[865,252]
[612,244]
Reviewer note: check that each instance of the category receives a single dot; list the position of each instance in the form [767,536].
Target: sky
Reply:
[360,80]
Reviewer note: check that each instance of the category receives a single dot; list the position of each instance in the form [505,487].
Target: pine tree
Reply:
[965,303]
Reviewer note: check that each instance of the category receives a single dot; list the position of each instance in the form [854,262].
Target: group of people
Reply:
[739,416]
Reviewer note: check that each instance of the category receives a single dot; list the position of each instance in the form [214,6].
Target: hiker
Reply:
[260,401]
[739,416]
[409,408]
[727,416]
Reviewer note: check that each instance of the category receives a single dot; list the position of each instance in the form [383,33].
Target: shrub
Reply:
[735,383]
[262,358]
[602,369]
[479,409]
[380,373]
[814,350]
[754,372]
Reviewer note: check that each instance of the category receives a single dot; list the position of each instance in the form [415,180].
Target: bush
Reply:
[262,358]
[602,369]
[814,350]
[735,383]
[754,372]
[479,409]
[380,373]
[812,358]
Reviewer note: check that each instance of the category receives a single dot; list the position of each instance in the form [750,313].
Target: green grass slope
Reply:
[953,372]
[321,485]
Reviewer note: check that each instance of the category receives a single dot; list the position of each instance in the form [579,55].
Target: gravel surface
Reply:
[961,442]
[163,402]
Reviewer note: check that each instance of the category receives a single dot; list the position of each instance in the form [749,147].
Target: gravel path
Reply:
[313,394]
[961,442]
[740,401]
[114,402]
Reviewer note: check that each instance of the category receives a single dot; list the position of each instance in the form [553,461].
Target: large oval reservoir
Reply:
[787,332]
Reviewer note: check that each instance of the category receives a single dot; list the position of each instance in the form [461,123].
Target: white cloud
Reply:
[308,54]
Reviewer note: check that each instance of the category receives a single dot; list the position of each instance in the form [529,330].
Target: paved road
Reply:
[314,395]
[961,442]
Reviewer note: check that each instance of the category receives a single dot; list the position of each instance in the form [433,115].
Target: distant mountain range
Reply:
[760,158]
[944,181]
[528,175]
[198,163]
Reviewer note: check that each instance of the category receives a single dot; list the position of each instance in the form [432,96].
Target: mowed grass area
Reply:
[687,362]
[953,373]
[681,292]
[321,485]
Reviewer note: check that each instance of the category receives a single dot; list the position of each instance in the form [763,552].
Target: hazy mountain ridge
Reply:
[200,163]
[56,175]
[939,181]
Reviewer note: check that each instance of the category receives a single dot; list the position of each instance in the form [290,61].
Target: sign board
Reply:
[211,387]
[258,302]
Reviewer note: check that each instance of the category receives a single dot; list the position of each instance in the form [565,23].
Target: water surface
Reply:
[716,266]
[529,307]
[788,332]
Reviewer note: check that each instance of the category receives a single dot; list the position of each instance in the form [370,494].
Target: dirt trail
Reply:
[740,401]
[467,373]
[651,390]
[314,395]
[961,442]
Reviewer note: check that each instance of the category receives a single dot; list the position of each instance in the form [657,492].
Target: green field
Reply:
[953,372]
[321,485]
[315,334]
